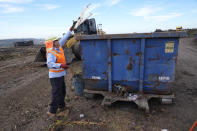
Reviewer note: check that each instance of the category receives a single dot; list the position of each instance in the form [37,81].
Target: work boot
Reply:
[51,115]
[63,113]
[63,108]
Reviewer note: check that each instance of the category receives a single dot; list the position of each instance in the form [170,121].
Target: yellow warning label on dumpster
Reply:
[169,47]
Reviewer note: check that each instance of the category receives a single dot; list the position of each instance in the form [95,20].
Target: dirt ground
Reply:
[25,94]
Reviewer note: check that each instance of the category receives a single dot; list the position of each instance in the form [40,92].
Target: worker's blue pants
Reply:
[58,94]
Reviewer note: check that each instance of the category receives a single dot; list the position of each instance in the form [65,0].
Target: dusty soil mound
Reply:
[16,52]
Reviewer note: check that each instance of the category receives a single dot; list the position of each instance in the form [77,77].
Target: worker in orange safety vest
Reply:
[56,63]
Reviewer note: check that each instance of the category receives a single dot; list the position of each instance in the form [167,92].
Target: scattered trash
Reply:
[164,130]
[86,123]
[120,90]
[132,97]
[81,115]
[166,101]
[71,123]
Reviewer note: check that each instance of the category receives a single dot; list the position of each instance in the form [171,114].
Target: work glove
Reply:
[63,66]
[72,27]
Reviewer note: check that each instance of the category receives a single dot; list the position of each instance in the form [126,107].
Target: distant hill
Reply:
[10,42]
[190,32]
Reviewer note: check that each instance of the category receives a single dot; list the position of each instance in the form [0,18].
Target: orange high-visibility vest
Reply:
[59,55]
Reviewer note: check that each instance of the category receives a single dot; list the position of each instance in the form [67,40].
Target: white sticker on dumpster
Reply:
[96,77]
[164,78]
[169,47]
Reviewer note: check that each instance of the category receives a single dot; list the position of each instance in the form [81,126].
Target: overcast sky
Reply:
[45,18]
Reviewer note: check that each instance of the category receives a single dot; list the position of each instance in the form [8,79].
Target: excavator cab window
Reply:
[87,28]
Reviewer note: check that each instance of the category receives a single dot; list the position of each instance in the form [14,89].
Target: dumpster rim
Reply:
[133,35]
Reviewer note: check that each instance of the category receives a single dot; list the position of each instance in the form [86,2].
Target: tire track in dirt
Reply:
[23,86]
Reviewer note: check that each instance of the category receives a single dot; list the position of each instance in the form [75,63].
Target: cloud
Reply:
[194,11]
[93,6]
[150,14]
[15,1]
[48,6]
[145,11]
[96,14]
[160,18]
[8,6]
[112,2]
[10,9]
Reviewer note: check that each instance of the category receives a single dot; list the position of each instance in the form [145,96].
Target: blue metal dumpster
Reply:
[142,62]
